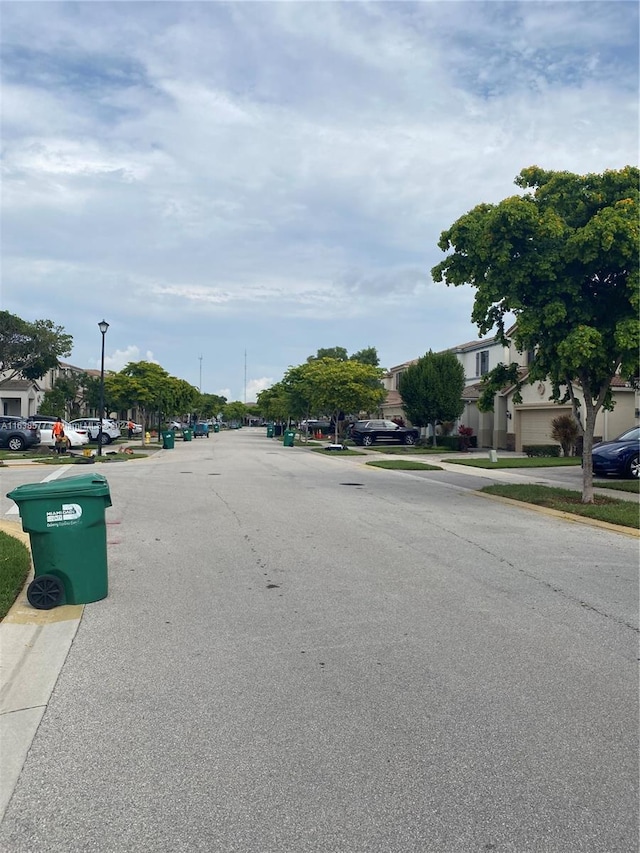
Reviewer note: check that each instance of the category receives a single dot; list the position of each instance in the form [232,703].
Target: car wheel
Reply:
[409,439]
[368,440]
[633,468]
[104,438]
[16,443]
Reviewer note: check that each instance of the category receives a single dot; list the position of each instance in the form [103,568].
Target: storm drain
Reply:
[352,484]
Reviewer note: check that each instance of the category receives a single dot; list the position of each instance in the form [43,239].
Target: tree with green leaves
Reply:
[234,411]
[28,349]
[273,403]
[368,355]
[144,385]
[339,353]
[65,396]
[563,259]
[343,386]
[431,390]
[209,405]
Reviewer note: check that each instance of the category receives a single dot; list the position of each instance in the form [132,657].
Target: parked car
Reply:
[18,434]
[75,437]
[620,457]
[315,426]
[367,433]
[110,429]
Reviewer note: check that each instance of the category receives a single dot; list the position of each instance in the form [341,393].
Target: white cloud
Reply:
[120,358]
[254,386]
[195,171]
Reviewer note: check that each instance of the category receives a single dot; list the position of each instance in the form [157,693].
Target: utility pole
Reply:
[200,385]
[245,377]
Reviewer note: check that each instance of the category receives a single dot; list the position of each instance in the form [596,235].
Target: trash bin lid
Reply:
[91,485]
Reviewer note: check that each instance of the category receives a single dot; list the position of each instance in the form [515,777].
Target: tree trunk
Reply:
[433,430]
[587,445]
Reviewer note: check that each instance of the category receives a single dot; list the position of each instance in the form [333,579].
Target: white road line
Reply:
[53,476]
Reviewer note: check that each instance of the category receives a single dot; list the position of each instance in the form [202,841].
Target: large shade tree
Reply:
[343,386]
[431,390]
[273,402]
[563,258]
[29,350]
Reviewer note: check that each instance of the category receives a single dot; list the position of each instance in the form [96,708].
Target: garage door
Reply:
[535,425]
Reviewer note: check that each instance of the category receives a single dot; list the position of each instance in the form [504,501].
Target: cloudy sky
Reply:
[269,178]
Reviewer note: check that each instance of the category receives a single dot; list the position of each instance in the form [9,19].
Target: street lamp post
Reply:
[103,326]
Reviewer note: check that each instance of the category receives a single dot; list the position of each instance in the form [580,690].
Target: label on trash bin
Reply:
[69,514]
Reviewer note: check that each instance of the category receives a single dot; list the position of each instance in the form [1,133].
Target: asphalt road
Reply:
[299,653]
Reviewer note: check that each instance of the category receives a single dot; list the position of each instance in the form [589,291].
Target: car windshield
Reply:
[630,435]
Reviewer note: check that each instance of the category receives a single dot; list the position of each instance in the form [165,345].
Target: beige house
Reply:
[512,426]
[20,398]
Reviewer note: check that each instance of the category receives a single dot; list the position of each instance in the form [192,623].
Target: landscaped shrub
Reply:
[465,433]
[565,430]
[541,449]
[453,442]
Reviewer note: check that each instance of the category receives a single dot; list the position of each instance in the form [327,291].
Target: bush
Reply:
[541,449]
[565,430]
[454,442]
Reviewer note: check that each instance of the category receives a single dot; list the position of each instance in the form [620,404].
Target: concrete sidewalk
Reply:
[33,647]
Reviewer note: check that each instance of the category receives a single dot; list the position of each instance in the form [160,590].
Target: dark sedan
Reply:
[619,457]
[18,435]
[367,433]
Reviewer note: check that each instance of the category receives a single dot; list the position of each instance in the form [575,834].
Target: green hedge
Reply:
[453,442]
[541,449]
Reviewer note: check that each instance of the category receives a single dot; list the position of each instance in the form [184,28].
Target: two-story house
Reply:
[512,426]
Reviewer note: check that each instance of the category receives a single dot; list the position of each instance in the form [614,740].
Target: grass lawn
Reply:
[525,462]
[612,510]
[15,563]
[632,486]
[404,465]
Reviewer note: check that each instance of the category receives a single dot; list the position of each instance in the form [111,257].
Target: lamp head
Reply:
[103,326]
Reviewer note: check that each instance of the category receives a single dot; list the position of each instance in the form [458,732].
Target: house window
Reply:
[397,379]
[482,362]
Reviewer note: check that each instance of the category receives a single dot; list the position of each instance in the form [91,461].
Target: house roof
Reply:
[471,345]
[19,385]
[472,392]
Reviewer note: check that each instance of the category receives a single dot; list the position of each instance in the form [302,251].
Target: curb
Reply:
[35,645]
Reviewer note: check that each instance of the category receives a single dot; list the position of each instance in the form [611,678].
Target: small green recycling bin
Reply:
[168,439]
[66,525]
[289,436]
[269,430]
[187,434]
[216,427]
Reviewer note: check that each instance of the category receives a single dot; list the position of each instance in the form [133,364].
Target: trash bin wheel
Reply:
[45,592]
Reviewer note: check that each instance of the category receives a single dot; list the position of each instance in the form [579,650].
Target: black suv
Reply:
[18,434]
[368,432]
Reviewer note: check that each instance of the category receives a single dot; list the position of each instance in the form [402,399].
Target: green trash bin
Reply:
[216,427]
[289,436]
[187,434]
[168,439]
[269,430]
[66,525]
